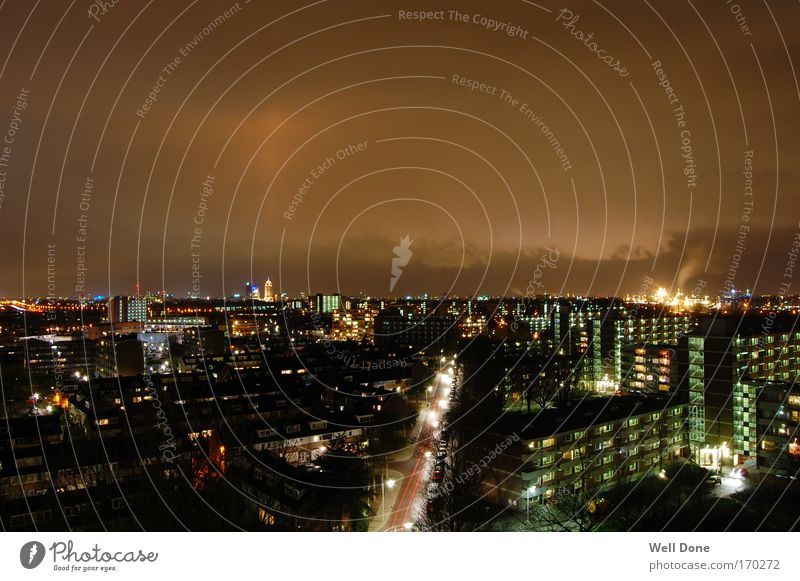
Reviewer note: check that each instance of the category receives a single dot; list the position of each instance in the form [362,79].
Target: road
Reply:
[405,504]
[731,484]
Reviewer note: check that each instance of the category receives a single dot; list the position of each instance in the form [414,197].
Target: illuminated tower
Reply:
[268,296]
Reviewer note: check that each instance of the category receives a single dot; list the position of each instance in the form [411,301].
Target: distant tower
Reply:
[268,296]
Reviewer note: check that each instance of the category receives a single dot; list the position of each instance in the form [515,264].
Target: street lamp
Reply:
[384,484]
[531,491]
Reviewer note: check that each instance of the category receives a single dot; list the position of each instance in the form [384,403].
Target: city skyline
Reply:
[655,294]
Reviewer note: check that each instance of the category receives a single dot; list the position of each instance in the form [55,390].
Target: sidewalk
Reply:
[379,522]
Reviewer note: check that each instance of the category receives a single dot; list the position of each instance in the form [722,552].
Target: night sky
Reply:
[303,140]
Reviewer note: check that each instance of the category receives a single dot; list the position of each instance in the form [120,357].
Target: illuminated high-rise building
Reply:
[251,291]
[328,303]
[268,295]
[137,309]
[122,309]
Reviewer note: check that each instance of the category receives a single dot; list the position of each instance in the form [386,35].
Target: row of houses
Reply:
[103,455]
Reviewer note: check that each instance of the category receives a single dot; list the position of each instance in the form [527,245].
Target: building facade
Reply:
[728,360]
[779,429]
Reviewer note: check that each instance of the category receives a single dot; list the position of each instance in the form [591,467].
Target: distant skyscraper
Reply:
[251,291]
[137,309]
[123,309]
[328,303]
[118,309]
[268,295]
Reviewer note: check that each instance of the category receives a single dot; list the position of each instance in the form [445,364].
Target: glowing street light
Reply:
[531,491]
[385,483]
